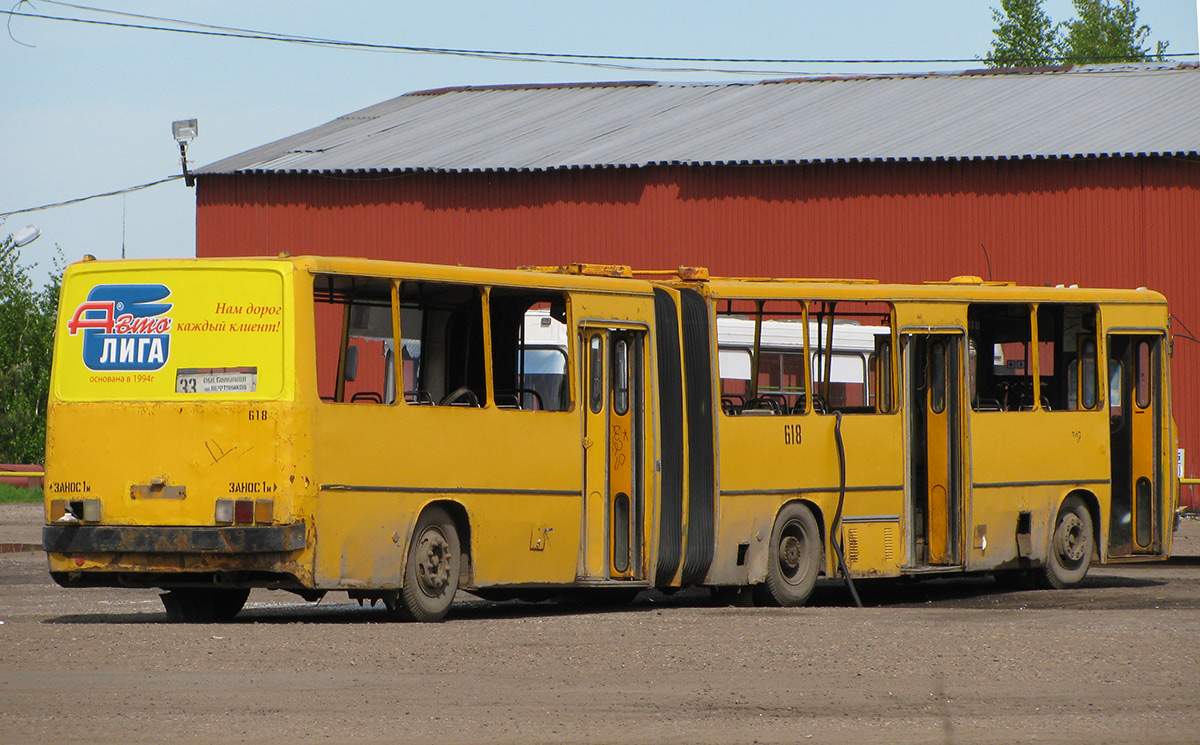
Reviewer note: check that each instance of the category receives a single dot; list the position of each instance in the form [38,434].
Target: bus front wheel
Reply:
[794,560]
[1071,547]
[432,570]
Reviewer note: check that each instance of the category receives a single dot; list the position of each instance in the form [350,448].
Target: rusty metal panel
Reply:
[63,539]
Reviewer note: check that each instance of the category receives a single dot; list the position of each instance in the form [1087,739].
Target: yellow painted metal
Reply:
[532,489]
[872,548]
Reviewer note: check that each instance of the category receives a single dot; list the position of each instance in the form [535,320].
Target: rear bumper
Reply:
[257,539]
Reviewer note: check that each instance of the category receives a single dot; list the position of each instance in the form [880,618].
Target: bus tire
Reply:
[227,603]
[203,604]
[794,560]
[1071,546]
[432,570]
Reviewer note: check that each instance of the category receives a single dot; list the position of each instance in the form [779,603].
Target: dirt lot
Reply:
[943,661]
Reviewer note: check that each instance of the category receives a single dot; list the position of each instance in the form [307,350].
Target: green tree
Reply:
[1025,35]
[27,318]
[1106,32]
[1101,31]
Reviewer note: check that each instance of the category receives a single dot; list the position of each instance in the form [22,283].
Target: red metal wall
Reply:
[1123,222]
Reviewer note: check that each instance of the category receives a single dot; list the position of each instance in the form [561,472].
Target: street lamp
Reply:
[21,238]
[25,236]
[185,130]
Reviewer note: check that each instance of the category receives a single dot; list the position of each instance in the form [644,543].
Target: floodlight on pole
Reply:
[25,236]
[21,238]
[183,131]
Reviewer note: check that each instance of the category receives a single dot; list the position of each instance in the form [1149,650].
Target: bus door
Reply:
[933,374]
[614,503]
[1135,419]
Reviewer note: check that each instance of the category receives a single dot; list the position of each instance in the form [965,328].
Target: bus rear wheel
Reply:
[203,604]
[432,570]
[1071,547]
[795,558]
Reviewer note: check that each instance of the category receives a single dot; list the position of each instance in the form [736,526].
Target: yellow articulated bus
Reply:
[401,432]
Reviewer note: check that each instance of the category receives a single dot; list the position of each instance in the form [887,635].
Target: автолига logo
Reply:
[124,327]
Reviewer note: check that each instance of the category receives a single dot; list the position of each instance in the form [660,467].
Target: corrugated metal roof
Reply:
[1104,110]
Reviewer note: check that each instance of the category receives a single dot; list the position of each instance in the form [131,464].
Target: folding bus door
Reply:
[614,505]
[933,375]
[1135,423]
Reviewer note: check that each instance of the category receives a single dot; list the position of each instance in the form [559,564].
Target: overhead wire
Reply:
[77,200]
[612,61]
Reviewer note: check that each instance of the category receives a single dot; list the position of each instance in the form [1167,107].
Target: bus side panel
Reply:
[1027,462]
[516,473]
[768,461]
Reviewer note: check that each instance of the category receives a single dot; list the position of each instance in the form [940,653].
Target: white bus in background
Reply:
[843,380]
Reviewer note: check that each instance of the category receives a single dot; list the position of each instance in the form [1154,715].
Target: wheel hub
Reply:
[433,565]
[1071,542]
[790,552]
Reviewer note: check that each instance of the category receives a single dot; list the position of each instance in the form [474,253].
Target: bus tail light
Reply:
[264,510]
[91,510]
[244,511]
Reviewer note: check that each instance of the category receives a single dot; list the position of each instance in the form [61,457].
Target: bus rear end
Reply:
[170,456]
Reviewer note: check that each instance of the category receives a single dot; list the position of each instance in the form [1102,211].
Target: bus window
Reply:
[1116,404]
[1001,334]
[937,377]
[529,351]
[761,356]
[596,373]
[734,368]
[1144,368]
[781,379]
[354,339]
[620,378]
[441,327]
[848,388]
[1087,374]
[851,360]
[879,373]
[1067,354]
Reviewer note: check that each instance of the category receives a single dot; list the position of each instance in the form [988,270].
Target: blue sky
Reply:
[88,109]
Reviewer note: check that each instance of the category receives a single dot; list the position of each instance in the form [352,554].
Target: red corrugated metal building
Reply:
[1087,176]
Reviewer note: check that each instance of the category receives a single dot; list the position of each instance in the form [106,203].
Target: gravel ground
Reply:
[926,662]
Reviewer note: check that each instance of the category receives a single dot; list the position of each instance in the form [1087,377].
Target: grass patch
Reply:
[10,494]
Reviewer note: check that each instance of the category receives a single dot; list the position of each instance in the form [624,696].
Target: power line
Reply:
[93,196]
[594,60]
[541,57]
